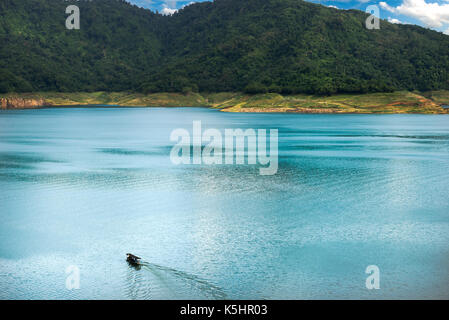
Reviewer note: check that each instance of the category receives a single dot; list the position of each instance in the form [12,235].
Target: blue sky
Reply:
[432,14]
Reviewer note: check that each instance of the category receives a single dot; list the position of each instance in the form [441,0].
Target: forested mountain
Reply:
[287,46]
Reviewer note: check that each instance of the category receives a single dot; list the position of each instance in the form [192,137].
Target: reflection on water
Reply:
[351,191]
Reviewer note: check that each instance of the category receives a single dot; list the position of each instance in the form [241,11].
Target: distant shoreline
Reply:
[432,102]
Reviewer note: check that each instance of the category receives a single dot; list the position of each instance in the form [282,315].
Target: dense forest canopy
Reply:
[286,46]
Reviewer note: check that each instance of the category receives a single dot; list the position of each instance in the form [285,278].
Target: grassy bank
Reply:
[395,102]
[114,98]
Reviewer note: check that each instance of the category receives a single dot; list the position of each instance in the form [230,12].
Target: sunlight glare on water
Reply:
[84,186]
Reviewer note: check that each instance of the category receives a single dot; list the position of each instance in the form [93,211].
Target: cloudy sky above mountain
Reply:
[427,13]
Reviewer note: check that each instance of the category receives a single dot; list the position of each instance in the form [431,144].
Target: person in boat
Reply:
[132,258]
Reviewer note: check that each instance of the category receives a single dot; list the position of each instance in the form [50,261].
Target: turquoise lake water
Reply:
[83,186]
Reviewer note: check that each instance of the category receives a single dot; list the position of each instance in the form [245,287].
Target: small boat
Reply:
[132,259]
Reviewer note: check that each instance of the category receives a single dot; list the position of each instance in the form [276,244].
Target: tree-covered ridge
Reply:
[285,46]
[115,47]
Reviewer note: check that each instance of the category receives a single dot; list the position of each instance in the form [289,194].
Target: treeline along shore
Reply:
[432,102]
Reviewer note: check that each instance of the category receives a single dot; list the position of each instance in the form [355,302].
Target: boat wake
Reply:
[151,281]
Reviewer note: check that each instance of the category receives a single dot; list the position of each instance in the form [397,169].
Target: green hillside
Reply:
[252,46]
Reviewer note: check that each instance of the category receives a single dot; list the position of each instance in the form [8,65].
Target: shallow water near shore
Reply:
[83,186]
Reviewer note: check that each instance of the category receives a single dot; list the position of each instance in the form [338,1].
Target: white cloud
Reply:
[446,32]
[386,6]
[168,11]
[335,7]
[170,5]
[395,21]
[431,14]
